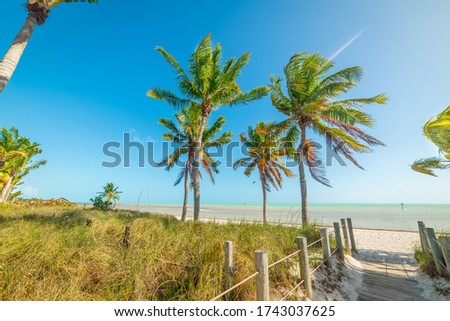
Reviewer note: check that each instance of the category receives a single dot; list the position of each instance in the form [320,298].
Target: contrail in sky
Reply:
[348,43]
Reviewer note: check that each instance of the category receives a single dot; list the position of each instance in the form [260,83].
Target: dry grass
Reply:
[50,254]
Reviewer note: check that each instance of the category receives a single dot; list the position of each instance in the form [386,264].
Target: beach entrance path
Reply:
[387,267]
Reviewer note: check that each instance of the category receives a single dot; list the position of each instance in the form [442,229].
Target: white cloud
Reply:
[30,191]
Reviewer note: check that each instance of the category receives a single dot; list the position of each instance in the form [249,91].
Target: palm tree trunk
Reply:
[9,62]
[5,190]
[264,203]
[186,193]
[8,192]
[196,169]
[301,170]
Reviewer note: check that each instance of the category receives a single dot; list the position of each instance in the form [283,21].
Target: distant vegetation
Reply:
[58,257]
[437,130]
[106,199]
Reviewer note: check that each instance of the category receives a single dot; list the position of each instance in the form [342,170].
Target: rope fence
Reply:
[262,267]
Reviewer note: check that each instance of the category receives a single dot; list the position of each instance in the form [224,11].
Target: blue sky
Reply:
[83,80]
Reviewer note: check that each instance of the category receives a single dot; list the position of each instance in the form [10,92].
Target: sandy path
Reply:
[387,267]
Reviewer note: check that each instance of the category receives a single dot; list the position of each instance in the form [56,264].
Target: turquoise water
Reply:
[381,216]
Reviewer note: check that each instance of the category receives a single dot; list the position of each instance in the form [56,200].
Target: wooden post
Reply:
[326,247]
[126,240]
[304,266]
[437,255]
[423,237]
[351,234]
[445,246]
[346,238]
[262,279]
[337,232]
[88,222]
[228,268]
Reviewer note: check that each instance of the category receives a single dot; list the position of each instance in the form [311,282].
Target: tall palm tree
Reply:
[265,148]
[184,136]
[437,130]
[110,192]
[311,102]
[38,11]
[208,84]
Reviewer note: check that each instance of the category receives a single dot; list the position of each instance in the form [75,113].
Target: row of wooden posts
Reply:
[345,244]
[439,247]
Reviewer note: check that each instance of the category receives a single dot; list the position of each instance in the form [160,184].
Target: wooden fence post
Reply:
[126,239]
[326,247]
[337,232]
[351,235]
[438,258]
[423,237]
[346,238]
[262,279]
[445,246]
[228,268]
[304,266]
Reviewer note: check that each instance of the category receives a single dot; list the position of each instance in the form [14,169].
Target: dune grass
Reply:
[50,254]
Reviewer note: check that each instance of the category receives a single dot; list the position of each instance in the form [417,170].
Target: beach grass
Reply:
[51,254]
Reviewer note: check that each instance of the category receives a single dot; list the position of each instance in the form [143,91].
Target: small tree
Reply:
[107,199]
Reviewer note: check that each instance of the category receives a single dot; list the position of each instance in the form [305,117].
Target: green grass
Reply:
[57,257]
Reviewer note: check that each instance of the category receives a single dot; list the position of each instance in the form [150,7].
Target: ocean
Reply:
[375,216]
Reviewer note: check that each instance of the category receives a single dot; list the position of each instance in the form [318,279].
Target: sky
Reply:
[83,78]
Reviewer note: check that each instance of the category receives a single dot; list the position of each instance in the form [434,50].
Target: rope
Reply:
[320,265]
[235,286]
[335,250]
[284,259]
[292,291]
[293,254]
[314,243]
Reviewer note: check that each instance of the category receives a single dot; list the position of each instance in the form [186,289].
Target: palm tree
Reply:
[265,148]
[110,192]
[437,130]
[184,136]
[208,84]
[16,157]
[38,11]
[311,103]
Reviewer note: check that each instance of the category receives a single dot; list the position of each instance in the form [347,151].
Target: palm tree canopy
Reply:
[110,192]
[437,130]
[265,146]
[185,135]
[207,83]
[17,157]
[311,101]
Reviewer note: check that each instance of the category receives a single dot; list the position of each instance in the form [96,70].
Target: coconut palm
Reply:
[110,192]
[437,130]
[311,102]
[17,154]
[38,11]
[184,137]
[265,148]
[208,84]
